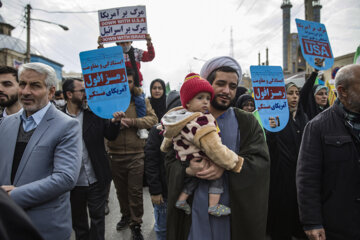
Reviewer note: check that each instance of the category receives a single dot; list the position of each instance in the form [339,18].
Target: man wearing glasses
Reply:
[90,191]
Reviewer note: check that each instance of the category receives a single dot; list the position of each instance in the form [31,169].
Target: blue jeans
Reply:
[160,220]
[140,105]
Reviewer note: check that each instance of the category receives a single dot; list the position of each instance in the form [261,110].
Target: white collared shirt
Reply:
[31,122]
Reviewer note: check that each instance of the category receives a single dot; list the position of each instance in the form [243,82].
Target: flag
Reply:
[357,56]
[331,94]
[257,116]
[167,88]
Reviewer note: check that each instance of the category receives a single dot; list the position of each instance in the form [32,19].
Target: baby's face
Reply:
[200,103]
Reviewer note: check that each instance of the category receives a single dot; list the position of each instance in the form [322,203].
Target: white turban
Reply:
[218,62]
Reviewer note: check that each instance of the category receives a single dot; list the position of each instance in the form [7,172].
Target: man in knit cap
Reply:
[246,192]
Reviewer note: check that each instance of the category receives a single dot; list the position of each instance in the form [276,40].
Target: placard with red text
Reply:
[123,24]
[315,43]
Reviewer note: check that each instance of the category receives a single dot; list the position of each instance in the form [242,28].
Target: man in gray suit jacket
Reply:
[40,154]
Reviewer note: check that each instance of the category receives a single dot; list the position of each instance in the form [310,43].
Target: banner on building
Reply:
[270,95]
[315,45]
[106,83]
[123,24]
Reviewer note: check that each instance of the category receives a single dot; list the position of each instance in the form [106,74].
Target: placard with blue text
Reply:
[106,84]
[270,95]
[315,43]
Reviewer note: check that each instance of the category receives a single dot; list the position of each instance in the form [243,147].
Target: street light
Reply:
[28,19]
[62,26]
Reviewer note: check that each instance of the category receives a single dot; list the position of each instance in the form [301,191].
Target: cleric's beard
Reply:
[218,106]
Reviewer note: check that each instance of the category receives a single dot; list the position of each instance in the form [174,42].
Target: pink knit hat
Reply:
[194,84]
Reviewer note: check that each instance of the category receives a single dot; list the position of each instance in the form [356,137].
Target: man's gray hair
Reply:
[50,80]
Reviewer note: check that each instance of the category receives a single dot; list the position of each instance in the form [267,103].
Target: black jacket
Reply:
[95,129]
[248,190]
[14,222]
[283,217]
[328,176]
[154,164]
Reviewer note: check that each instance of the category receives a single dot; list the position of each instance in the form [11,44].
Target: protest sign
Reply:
[106,84]
[315,43]
[123,24]
[270,95]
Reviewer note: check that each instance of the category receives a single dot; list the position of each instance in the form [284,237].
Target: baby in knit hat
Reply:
[193,133]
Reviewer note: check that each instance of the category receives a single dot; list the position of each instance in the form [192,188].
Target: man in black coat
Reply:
[95,175]
[328,170]
[154,169]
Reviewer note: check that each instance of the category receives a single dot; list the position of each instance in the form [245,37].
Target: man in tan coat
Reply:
[127,162]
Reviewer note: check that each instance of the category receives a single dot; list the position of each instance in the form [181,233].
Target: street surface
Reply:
[114,217]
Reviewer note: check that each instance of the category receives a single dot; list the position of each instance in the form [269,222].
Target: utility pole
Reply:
[259,59]
[28,10]
[28,28]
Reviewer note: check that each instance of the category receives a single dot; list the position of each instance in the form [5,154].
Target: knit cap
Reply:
[194,84]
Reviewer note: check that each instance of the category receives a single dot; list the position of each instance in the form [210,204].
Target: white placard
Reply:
[123,24]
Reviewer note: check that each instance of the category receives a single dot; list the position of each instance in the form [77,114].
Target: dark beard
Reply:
[217,106]
[78,102]
[12,100]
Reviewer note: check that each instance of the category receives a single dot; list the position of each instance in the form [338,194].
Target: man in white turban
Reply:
[246,192]
[218,62]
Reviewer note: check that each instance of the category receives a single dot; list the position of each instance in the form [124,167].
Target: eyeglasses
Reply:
[81,90]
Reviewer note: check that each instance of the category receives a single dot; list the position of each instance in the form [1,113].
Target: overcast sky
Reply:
[182,30]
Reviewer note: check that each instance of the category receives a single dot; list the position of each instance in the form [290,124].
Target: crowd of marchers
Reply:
[212,170]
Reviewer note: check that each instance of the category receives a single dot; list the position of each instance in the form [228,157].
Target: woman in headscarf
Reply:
[158,97]
[246,102]
[239,92]
[283,216]
[313,98]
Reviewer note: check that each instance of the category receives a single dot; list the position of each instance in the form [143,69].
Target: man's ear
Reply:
[51,92]
[342,93]
[68,94]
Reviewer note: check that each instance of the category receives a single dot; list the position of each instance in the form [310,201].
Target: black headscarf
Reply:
[239,91]
[243,99]
[158,104]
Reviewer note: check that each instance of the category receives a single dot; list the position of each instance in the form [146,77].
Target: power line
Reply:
[69,12]
[96,23]
[18,39]
[58,52]
[240,4]
[250,8]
